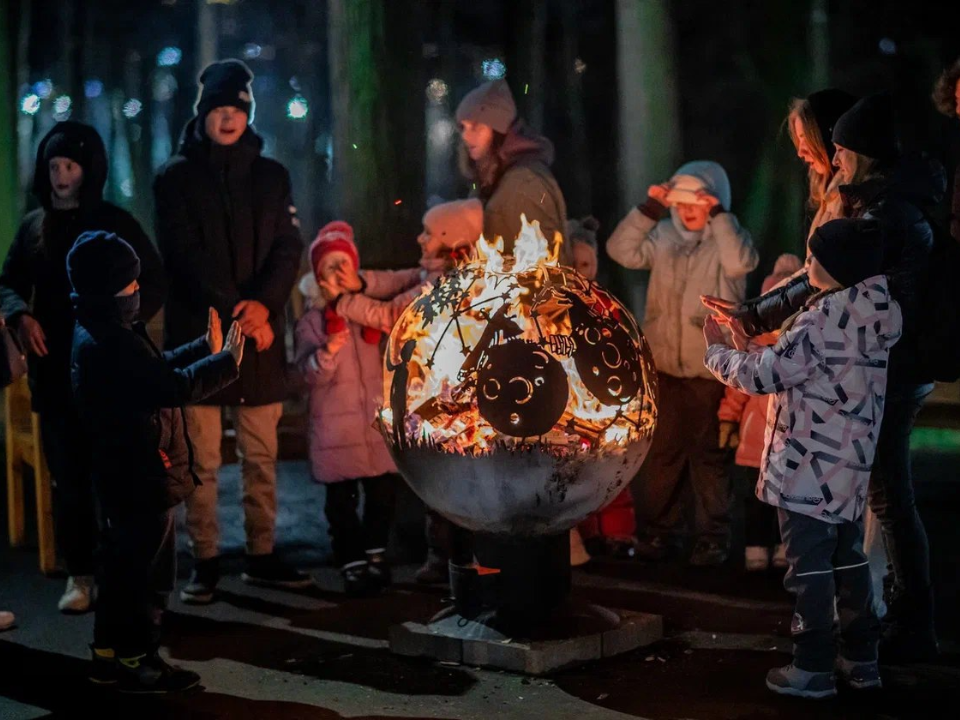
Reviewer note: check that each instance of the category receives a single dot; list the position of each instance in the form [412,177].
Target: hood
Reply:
[712,178]
[93,162]
[879,322]
[523,144]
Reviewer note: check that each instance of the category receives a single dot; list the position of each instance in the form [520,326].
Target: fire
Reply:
[494,355]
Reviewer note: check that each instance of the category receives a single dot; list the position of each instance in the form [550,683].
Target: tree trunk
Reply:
[526,26]
[650,142]
[573,163]
[9,205]
[25,123]
[377,98]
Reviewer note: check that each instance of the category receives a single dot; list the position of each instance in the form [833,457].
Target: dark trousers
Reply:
[351,535]
[686,445]
[761,528]
[892,499]
[137,574]
[826,562]
[67,450]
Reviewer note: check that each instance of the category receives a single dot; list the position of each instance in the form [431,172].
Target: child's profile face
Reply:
[693,216]
[331,263]
[430,243]
[585,260]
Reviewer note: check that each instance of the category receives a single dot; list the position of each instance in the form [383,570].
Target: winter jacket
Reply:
[386,296]
[749,412]
[34,277]
[828,374]
[228,231]
[525,186]
[901,202]
[346,388]
[955,206]
[131,398]
[683,266]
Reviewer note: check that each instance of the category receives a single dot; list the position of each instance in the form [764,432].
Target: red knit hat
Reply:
[336,235]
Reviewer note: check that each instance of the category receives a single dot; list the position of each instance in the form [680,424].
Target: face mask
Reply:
[129,308]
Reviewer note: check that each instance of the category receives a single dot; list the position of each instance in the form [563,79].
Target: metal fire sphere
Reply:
[520,397]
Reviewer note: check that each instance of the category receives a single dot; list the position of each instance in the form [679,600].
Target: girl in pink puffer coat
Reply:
[342,362]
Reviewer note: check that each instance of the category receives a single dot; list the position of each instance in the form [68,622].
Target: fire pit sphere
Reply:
[519,396]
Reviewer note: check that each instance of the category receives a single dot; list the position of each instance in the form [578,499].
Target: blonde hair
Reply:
[800,109]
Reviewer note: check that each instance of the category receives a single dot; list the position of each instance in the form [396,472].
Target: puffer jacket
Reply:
[901,202]
[683,266]
[386,296]
[346,388]
[828,374]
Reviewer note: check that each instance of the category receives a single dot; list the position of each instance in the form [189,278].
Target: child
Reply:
[130,398]
[343,364]
[611,531]
[742,421]
[377,299]
[828,372]
[699,248]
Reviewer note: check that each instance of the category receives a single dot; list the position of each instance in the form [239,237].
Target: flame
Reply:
[441,406]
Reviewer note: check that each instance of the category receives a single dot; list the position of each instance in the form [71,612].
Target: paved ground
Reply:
[266,654]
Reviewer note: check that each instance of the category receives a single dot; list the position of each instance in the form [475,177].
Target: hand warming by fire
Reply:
[517,350]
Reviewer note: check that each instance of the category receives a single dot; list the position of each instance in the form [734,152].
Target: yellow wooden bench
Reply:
[24,449]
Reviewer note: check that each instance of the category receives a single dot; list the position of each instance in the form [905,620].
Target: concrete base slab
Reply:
[572,635]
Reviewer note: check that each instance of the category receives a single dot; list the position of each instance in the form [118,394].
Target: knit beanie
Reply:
[101,264]
[827,106]
[584,231]
[457,223]
[869,128]
[491,104]
[850,249]
[336,235]
[226,84]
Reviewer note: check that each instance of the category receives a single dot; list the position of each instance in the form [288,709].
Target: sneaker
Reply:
[708,554]
[79,596]
[434,571]
[359,580]
[202,587]
[578,553]
[7,620]
[779,559]
[756,558]
[271,571]
[103,666]
[151,674]
[622,548]
[791,680]
[655,547]
[858,675]
[379,567]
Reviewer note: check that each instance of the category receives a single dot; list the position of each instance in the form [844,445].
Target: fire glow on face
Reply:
[517,351]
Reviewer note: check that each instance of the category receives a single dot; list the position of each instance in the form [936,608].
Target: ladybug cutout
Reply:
[522,390]
[606,357]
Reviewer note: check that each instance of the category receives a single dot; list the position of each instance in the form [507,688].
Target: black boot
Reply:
[380,567]
[359,581]
[909,634]
[151,674]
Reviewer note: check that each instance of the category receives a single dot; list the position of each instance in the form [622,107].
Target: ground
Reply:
[317,655]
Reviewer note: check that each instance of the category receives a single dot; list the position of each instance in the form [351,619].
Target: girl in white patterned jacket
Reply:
[828,372]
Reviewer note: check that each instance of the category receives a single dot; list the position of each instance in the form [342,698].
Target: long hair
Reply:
[487,171]
[800,109]
[945,91]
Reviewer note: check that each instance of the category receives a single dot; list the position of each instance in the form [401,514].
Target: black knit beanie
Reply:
[226,84]
[101,264]
[869,128]
[850,249]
